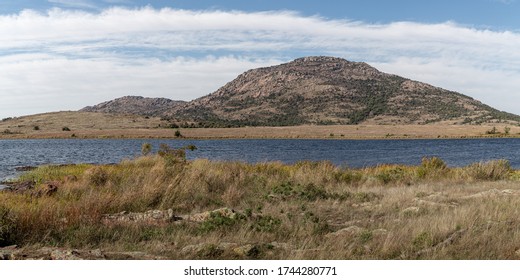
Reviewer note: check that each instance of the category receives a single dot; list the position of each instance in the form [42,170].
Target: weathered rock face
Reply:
[19,187]
[47,253]
[204,216]
[45,189]
[135,105]
[163,216]
[148,217]
[328,90]
[315,90]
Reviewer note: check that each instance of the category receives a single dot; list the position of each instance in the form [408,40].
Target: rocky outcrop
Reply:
[135,105]
[148,217]
[329,90]
[315,90]
[204,216]
[163,216]
[48,253]
[29,187]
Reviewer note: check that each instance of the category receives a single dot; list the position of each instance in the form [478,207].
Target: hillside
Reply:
[315,90]
[134,105]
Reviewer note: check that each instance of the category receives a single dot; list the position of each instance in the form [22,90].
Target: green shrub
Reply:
[65,128]
[431,168]
[266,224]
[422,241]
[491,170]
[146,149]
[309,192]
[217,221]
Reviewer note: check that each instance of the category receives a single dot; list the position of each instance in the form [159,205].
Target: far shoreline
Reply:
[305,132]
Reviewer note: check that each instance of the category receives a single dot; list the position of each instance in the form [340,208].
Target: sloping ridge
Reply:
[135,105]
[328,90]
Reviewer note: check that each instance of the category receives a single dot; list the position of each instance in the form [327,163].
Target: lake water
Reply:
[352,153]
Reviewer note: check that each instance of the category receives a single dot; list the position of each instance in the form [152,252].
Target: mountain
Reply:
[135,105]
[325,90]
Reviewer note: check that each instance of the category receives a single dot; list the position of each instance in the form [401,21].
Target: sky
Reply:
[64,55]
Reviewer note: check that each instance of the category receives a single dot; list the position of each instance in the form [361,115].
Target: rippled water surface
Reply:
[353,153]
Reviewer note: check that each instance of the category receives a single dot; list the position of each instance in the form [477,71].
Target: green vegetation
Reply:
[307,210]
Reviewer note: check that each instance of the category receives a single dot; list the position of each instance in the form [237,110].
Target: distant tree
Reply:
[178,133]
[146,149]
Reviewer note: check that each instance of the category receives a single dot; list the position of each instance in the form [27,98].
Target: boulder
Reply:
[204,216]
[148,217]
[48,189]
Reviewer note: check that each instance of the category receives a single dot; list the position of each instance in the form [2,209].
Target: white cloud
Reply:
[81,58]
[74,3]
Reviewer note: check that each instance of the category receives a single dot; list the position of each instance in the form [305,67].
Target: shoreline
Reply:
[336,132]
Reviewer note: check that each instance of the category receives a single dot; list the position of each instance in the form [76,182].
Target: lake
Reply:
[352,153]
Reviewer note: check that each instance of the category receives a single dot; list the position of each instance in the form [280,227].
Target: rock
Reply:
[48,189]
[204,216]
[491,193]
[19,187]
[247,251]
[280,246]
[24,168]
[379,232]
[131,256]
[6,253]
[148,217]
[411,210]
[60,254]
[47,253]
[351,230]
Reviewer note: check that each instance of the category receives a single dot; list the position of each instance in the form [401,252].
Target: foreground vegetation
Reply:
[308,210]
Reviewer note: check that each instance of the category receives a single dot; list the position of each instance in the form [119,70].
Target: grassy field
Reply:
[233,210]
[98,125]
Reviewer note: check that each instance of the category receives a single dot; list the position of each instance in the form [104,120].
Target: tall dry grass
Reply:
[309,210]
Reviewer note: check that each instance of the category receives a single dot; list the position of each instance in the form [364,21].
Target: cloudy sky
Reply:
[67,54]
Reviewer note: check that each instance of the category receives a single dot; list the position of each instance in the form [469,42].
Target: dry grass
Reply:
[309,210]
[99,125]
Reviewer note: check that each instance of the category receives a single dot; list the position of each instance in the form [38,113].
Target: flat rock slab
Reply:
[148,217]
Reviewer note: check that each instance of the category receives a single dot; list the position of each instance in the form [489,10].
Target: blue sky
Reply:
[498,14]
[67,54]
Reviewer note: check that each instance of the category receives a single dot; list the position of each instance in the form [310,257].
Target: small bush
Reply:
[492,131]
[178,134]
[36,127]
[309,192]
[97,176]
[491,170]
[422,241]
[146,149]
[65,128]
[266,224]
[217,221]
[173,156]
[431,168]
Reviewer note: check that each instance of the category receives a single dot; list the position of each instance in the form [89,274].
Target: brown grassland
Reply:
[99,125]
[307,210]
